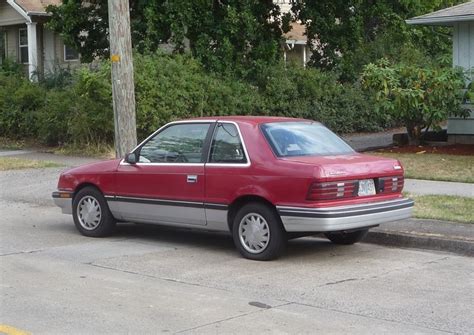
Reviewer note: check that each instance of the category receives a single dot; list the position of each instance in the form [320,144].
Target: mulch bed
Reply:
[455,149]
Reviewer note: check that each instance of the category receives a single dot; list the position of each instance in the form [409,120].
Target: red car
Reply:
[263,179]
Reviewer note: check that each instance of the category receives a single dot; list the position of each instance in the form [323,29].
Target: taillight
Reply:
[350,188]
[332,190]
[390,184]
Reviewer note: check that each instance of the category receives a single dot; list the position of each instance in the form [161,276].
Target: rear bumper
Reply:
[303,219]
[63,200]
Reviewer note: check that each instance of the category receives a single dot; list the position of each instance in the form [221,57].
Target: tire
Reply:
[347,238]
[268,241]
[91,213]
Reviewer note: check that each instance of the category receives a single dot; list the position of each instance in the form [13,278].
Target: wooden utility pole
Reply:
[123,89]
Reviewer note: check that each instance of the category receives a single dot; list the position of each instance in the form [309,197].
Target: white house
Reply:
[25,39]
[461,18]
[296,42]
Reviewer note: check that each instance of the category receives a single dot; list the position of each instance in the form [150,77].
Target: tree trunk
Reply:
[414,133]
[122,77]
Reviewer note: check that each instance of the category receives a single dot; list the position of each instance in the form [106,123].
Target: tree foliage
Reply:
[347,34]
[240,36]
[225,35]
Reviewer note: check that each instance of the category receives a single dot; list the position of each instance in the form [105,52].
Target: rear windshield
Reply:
[289,139]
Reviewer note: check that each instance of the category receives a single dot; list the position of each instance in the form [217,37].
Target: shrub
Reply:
[418,96]
[311,94]
[20,100]
[76,108]
[176,87]
[80,113]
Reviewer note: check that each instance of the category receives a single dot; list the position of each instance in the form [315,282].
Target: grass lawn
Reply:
[435,166]
[444,207]
[10,163]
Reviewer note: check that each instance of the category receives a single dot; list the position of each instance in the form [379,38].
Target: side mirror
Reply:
[131,158]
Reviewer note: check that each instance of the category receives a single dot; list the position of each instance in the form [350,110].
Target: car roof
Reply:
[251,119]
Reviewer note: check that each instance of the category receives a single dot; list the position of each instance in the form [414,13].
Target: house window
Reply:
[23,45]
[70,53]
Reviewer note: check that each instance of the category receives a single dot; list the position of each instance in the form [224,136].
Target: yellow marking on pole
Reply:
[9,330]
[115,58]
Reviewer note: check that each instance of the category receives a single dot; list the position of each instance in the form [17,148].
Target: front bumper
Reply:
[303,219]
[63,199]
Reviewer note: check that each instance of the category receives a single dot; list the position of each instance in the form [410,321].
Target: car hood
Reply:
[352,165]
[98,167]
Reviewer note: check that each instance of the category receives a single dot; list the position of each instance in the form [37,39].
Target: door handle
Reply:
[192,178]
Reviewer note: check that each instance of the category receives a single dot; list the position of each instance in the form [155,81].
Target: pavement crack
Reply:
[436,261]
[231,318]
[341,281]
[21,252]
[155,277]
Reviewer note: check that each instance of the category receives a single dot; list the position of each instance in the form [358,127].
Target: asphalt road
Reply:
[149,279]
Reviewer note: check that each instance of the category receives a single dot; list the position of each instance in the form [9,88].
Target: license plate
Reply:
[366,187]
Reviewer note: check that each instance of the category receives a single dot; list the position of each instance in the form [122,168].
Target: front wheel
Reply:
[258,233]
[91,213]
[346,238]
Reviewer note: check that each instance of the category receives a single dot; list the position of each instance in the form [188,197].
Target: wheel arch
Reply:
[243,200]
[84,185]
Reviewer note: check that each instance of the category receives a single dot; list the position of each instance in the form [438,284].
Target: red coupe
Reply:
[263,179]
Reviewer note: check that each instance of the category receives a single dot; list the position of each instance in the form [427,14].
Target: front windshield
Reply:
[289,139]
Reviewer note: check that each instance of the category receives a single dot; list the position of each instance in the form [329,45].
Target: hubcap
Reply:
[254,233]
[89,212]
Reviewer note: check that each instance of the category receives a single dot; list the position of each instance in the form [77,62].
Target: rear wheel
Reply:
[91,213]
[346,238]
[258,233]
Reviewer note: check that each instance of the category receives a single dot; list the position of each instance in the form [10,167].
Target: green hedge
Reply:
[170,87]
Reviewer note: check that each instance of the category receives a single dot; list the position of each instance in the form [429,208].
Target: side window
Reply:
[179,143]
[226,146]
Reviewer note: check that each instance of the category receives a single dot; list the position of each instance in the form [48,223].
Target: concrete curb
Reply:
[421,241]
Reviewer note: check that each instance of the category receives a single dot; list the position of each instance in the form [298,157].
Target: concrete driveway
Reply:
[150,279]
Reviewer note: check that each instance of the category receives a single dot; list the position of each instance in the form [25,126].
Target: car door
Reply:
[166,185]
[227,171]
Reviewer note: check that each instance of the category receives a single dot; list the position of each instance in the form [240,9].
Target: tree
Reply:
[227,36]
[347,34]
[82,26]
[419,97]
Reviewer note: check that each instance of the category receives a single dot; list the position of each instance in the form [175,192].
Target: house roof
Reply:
[448,16]
[297,33]
[34,7]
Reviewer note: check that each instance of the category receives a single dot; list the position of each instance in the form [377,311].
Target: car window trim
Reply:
[137,149]
[246,164]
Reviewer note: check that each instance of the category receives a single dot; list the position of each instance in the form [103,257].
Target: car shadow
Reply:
[221,241]
[184,236]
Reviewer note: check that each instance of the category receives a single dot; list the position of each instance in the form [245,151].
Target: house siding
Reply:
[463,45]
[463,56]
[59,54]
[8,15]
[49,47]
[12,41]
